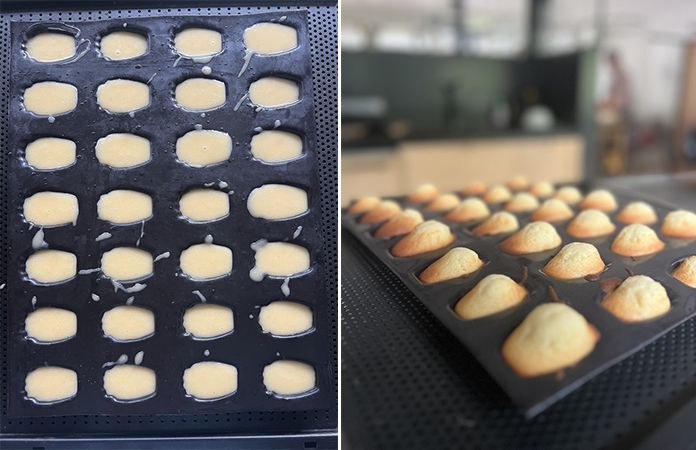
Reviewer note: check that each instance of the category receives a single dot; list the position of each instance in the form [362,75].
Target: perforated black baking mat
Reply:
[484,337]
[165,179]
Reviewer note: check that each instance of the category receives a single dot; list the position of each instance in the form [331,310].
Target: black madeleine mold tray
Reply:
[485,336]
[167,293]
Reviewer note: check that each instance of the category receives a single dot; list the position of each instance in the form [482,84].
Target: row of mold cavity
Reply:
[202,321]
[122,207]
[199,262]
[203,381]
[124,96]
[62,43]
[197,148]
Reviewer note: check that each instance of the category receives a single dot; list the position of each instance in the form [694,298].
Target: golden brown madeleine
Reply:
[469,209]
[637,212]
[458,262]
[444,202]
[493,294]
[475,188]
[426,237]
[552,337]
[569,194]
[533,238]
[497,194]
[384,211]
[553,210]
[686,271]
[499,223]
[424,193]
[518,183]
[364,205]
[522,202]
[402,223]
[542,189]
[638,298]
[679,224]
[600,199]
[575,260]
[636,240]
[590,223]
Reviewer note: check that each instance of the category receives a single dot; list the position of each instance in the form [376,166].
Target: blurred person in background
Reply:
[613,115]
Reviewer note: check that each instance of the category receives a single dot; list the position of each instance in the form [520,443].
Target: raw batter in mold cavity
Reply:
[51,266]
[204,205]
[287,378]
[51,47]
[275,146]
[277,202]
[210,380]
[51,384]
[126,264]
[51,153]
[198,44]
[206,261]
[274,92]
[128,382]
[200,94]
[284,318]
[200,148]
[51,209]
[121,45]
[208,321]
[123,150]
[50,98]
[128,323]
[123,96]
[278,259]
[48,325]
[124,207]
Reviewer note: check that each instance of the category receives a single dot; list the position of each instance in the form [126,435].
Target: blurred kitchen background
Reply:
[450,91]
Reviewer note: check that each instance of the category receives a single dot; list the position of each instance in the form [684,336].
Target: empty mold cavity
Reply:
[118,45]
[123,96]
[200,94]
[204,205]
[268,38]
[286,319]
[288,379]
[123,150]
[198,44]
[277,202]
[130,383]
[128,323]
[50,384]
[279,260]
[51,153]
[200,148]
[51,266]
[208,321]
[50,325]
[276,146]
[274,92]
[51,209]
[50,98]
[210,380]
[206,261]
[124,207]
[126,264]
